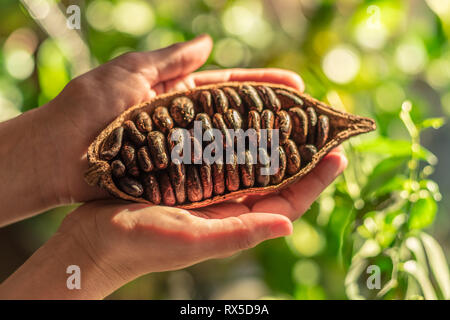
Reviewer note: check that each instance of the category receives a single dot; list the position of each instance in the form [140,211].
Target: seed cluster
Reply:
[139,150]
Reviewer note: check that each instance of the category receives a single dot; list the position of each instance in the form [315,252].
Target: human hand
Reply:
[93,100]
[114,241]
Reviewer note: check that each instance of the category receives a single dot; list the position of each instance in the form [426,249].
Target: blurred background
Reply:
[389,60]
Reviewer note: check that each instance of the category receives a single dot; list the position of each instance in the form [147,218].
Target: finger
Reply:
[297,198]
[168,63]
[222,237]
[271,75]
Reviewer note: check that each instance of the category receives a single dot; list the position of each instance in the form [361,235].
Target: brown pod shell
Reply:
[151,188]
[143,122]
[283,122]
[162,119]
[158,149]
[112,145]
[105,149]
[294,160]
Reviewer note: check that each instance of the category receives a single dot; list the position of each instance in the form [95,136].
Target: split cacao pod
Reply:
[132,157]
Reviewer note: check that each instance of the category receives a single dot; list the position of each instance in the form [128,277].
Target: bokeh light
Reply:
[10,100]
[99,14]
[247,23]
[445,100]
[389,96]
[19,64]
[441,7]
[306,272]
[162,37]
[305,240]
[206,23]
[371,37]
[239,20]
[438,73]
[230,52]
[411,57]
[133,17]
[341,64]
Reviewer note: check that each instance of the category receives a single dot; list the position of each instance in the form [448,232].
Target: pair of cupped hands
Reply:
[114,241]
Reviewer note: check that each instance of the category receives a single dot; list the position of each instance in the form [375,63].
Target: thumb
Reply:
[168,63]
[172,62]
[181,58]
[230,235]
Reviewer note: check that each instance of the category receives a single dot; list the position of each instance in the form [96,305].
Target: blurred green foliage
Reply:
[389,60]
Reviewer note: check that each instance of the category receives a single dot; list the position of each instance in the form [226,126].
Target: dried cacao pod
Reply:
[132,157]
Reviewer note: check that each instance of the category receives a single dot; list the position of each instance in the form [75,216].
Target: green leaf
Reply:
[435,123]
[438,263]
[394,148]
[422,213]
[383,173]
[396,183]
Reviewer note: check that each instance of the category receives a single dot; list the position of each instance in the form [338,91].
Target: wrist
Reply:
[98,252]
[28,166]
[69,143]
[55,270]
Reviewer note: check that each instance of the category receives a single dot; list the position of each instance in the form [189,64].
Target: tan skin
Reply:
[43,156]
